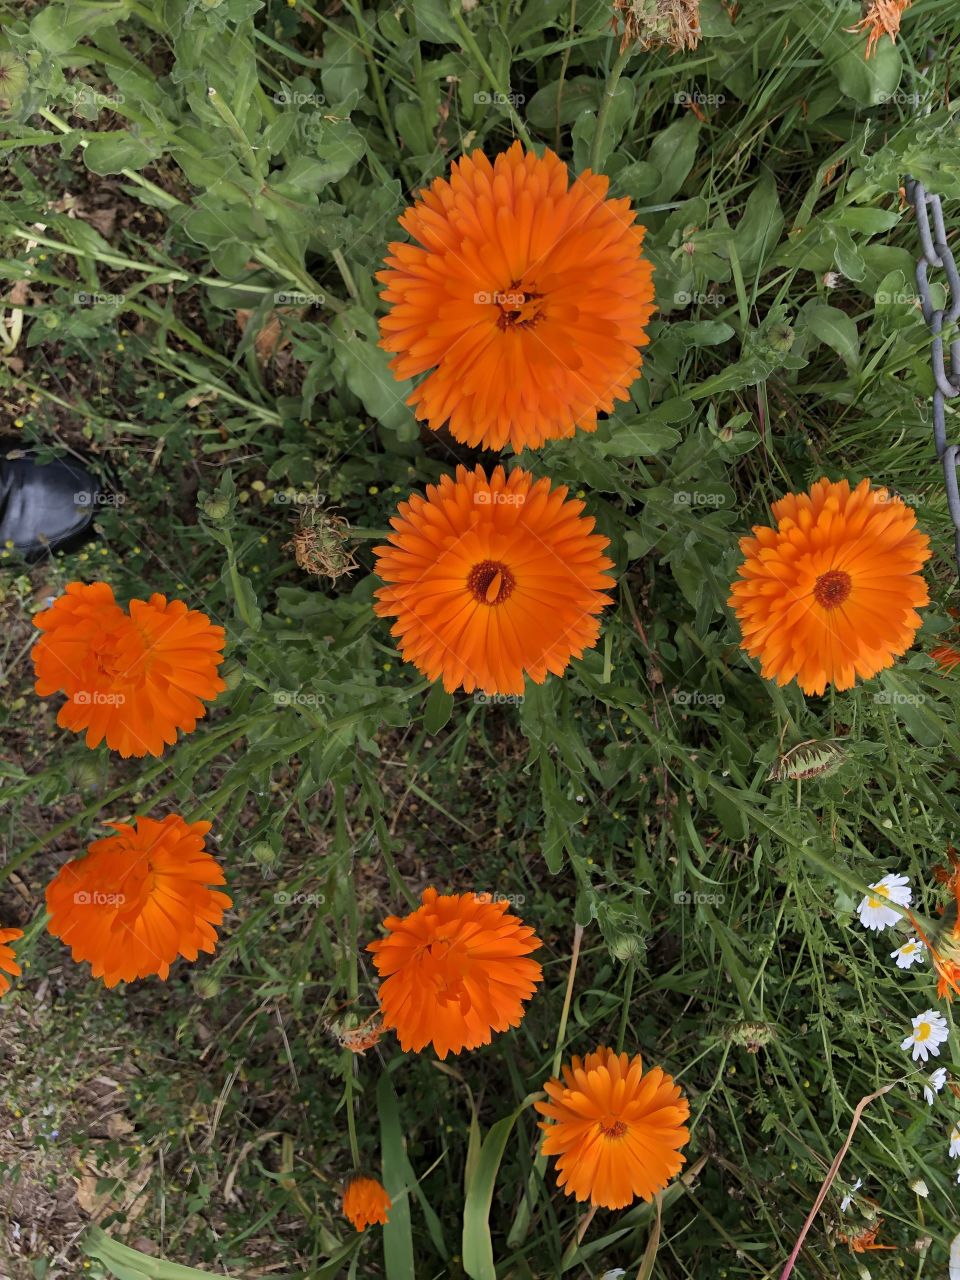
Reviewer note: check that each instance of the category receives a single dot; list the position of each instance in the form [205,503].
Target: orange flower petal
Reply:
[454,971]
[139,899]
[8,963]
[526,298]
[616,1132]
[490,580]
[831,592]
[365,1201]
[132,680]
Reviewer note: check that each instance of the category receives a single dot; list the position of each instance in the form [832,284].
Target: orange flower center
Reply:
[831,589]
[612,1128]
[518,307]
[491,582]
[441,965]
[108,657]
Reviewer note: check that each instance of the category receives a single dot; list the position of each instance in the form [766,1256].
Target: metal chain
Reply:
[936,253]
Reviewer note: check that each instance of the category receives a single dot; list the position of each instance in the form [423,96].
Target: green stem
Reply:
[470,44]
[346,275]
[342,848]
[609,93]
[625,1011]
[521,1222]
[564,63]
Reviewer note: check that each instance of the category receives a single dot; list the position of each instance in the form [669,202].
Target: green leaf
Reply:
[438,710]
[637,180]
[758,231]
[835,328]
[434,22]
[871,222]
[114,152]
[580,93]
[477,1244]
[130,1264]
[340,147]
[640,438]
[411,127]
[344,68]
[365,368]
[246,601]
[673,153]
[397,1234]
[58,28]
[869,81]
[703,333]
[916,710]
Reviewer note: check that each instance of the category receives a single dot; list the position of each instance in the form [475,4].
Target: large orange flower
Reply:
[526,296]
[139,899]
[130,679]
[617,1133]
[454,971]
[489,579]
[8,963]
[365,1201]
[831,593]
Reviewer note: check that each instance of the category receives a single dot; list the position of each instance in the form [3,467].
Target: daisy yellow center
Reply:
[518,306]
[922,1032]
[612,1128]
[880,893]
[831,589]
[490,582]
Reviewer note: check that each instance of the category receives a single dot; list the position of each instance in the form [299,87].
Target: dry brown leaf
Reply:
[103,220]
[118,1126]
[268,341]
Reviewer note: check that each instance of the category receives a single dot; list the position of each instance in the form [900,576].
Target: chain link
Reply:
[936,253]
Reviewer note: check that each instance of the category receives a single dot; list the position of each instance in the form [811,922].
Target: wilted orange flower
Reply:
[831,593]
[139,899]
[527,298]
[130,679]
[617,1133]
[865,1241]
[454,971]
[8,963]
[942,939]
[675,23]
[489,579]
[946,656]
[365,1201]
[880,18]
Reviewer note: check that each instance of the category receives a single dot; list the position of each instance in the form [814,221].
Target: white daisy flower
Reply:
[935,1083]
[847,1200]
[908,954]
[955,1141]
[920,1187]
[929,1033]
[874,911]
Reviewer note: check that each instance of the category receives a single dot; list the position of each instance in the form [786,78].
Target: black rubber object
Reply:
[44,508]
